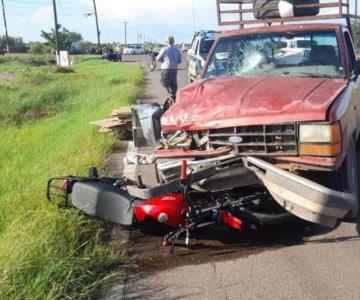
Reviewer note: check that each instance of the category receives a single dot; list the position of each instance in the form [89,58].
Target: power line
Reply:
[37,2]
[27,3]
[97,25]
[56,30]
[6,30]
[193,15]
[125,31]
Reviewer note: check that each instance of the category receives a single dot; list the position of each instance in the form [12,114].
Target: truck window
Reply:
[350,52]
[314,54]
[206,46]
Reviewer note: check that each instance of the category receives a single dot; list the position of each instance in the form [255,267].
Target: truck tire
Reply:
[346,179]
[268,10]
[351,166]
[355,210]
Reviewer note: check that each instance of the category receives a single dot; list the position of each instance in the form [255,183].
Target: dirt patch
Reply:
[7,76]
[37,113]
[40,63]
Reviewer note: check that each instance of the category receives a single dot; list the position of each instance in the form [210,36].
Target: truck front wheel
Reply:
[346,179]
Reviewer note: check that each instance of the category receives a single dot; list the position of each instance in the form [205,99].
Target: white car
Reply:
[134,50]
[296,51]
[198,52]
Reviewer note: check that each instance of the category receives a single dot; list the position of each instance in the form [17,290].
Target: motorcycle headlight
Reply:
[320,139]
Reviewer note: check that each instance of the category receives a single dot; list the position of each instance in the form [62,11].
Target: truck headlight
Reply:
[320,139]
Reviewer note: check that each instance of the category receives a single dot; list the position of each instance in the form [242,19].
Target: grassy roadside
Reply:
[44,128]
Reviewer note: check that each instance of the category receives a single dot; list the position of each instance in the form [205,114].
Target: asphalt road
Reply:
[154,91]
[277,263]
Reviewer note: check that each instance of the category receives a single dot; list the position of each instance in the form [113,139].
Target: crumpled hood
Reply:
[242,101]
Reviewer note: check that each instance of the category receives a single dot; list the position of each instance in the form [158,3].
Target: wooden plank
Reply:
[105,130]
[115,128]
[117,124]
[102,122]
[123,112]
[111,123]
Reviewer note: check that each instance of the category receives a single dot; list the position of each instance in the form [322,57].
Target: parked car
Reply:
[185,47]
[296,51]
[198,52]
[110,55]
[134,50]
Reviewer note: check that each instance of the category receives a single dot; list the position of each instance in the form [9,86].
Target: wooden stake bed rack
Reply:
[241,12]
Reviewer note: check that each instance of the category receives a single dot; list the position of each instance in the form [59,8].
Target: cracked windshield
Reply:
[310,54]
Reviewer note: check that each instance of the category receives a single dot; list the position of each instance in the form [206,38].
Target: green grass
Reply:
[13,62]
[45,252]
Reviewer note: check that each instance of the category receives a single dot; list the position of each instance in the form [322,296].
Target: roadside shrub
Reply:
[34,60]
[37,48]
[64,70]
[117,80]
[38,77]
[46,104]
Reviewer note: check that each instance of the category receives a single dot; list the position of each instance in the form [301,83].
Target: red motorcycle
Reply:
[175,205]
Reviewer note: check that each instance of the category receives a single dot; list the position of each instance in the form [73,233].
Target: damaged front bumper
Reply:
[300,196]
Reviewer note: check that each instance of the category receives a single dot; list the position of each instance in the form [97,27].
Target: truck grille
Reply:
[257,140]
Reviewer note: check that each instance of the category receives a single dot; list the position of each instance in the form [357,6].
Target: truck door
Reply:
[193,59]
[355,80]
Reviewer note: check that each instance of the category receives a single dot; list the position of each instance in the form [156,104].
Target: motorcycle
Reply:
[176,205]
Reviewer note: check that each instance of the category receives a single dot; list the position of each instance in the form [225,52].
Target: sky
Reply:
[155,19]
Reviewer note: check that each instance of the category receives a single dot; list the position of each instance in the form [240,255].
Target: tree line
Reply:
[68,40]
[73,42]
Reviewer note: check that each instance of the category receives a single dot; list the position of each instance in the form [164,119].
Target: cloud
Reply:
[42,15]
[160,17]
[154,18]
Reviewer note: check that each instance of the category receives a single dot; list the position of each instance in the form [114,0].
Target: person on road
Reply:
[170,58]
[153,56]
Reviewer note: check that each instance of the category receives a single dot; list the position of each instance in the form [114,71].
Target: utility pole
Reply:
[97,25]
[193,15]
[56,31]
[125,31]
[5,25]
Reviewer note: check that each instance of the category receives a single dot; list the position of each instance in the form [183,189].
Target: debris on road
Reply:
[123,112]
[140,159]
[119,122]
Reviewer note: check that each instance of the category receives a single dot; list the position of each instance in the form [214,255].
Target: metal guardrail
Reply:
[241,12]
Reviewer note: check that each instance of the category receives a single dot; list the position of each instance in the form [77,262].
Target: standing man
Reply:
[170,58]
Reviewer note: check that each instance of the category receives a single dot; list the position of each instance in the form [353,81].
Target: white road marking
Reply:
[130,169]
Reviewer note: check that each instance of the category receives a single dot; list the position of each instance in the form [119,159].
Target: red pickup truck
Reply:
[286,99]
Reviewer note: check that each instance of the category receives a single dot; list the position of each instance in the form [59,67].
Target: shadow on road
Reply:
[219,243]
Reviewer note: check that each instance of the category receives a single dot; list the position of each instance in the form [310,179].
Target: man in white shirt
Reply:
[170,58]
